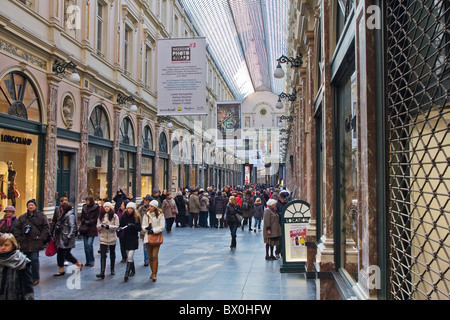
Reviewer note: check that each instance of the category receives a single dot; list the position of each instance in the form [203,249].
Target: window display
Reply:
[97,177]
[18,169]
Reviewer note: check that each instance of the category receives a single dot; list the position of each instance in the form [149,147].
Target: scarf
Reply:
[8,222]
[14,260]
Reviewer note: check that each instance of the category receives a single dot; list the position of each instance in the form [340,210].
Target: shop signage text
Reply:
[16,140]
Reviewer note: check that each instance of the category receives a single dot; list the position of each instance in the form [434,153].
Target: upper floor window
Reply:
[101,7]
[98,123]
[19,97]
[344,9]
[127,48]
[126,132]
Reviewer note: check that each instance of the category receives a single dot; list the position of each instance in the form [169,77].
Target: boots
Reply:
[127,271]
[132,269]
[101,275]
[113,262]
[154,267]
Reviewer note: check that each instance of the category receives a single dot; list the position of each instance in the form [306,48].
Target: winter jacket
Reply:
[212,204]
[251,202]
[88,220]
[16,280]
[108,233]
[158,223]
[67,225]
[220,204]
[194,204]
[5,228]
[130,238]
[230,214]
[258,210]
[181,204]
[167,207]
[204,203]
[40,229]
[272,223]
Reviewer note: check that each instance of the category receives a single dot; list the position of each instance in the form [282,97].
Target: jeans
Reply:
[257,223]
[146,258]
[34,258]
[233,229]
[203,219]
[65,254]
[89,249]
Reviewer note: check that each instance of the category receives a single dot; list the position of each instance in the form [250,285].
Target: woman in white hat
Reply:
[153,222]
[130,226]
[272,228]
[107,223]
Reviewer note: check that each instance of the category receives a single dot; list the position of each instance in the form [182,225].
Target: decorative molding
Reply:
[18,52]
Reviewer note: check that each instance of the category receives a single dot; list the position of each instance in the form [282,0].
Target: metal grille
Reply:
[418,115]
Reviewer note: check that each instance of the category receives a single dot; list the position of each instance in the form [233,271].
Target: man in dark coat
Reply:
[31,231]
[88,228]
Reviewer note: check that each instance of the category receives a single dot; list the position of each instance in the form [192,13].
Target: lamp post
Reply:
[295,63]
[121,99]
[60,67]
[162,119]
[291,97]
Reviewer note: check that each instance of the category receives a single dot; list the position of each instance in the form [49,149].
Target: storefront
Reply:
[99,164]
[21,141]
[127,157]
[163,166]
[147,162]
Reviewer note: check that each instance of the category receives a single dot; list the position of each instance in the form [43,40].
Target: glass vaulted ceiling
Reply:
[245,38]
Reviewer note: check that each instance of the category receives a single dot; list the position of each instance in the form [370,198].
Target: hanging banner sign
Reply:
[228,124]
[182,77]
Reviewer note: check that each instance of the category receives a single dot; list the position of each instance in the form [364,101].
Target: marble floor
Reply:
[194,264]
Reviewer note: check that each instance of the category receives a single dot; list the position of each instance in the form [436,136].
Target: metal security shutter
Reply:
[418,115]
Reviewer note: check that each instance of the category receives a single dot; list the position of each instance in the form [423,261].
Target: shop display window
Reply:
[18,169]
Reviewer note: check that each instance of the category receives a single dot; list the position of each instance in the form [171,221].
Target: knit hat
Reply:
[271,202]
[131,205]
[33,201]
[10,208]
[108,204]
[154,203]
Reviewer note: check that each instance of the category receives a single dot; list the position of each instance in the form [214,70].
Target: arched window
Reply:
[98,123]
[126,131]
[19,97]
[163,143]
[147,138]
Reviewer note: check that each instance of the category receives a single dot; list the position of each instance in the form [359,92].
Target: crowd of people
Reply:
[252,207]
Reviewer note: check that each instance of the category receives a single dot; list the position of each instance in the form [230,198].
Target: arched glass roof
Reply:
[245,38]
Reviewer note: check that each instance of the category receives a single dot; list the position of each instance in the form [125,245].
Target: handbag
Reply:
[51,249]
[239,217]
[155,239]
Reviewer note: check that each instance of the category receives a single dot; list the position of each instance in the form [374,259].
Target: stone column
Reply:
[170,164]
[139,119]
[156,171]
[50,146]
[115,152]
[325,254]
[84,144]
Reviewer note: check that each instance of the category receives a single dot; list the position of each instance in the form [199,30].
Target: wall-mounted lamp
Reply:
[121,99]
[59,68]
[161,119]
[290,97]
[295,63]
[287,118]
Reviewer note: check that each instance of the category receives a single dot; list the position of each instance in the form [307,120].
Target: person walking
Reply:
[130,225]
[142,209]
[64,234]
[153,223]
[194,208]
[108,223]
[231,211]
[88,228]
[180,201]
[272,229]
[204,207]
[258,213]
[169,209]
[212,208]
[31,230]
[9,220]
[118,199]
[16,279]
[248,204]
[220,205]
[281,203]
[123,252]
